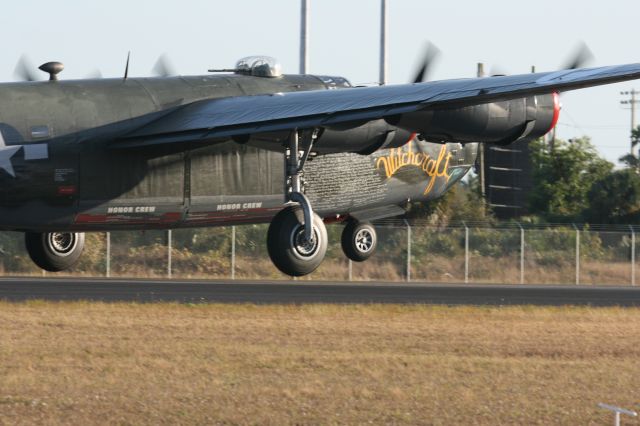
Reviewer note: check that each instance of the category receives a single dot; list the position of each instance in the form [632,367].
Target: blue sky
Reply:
[506,35]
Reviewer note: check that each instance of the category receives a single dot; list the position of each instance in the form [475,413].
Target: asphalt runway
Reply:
[297,292]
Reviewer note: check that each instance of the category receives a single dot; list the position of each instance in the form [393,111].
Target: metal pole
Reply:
[577,254]
[633,256]
[408,251]
[350,270]
[617,411]
[632,101]
[633,109]
[169,249]
[233,252]
[466,254]
[521,254]
[304,37]
[633,116]
[383,42]
[108,255]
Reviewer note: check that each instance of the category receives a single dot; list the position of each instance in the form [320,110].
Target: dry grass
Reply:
[85,363]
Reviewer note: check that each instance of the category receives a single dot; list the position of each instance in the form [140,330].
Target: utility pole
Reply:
[383,42]
[304,37]
[633,102]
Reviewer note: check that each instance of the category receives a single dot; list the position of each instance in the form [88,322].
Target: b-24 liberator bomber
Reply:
[251,146]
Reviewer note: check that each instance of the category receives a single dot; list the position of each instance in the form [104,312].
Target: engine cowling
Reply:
[499,123]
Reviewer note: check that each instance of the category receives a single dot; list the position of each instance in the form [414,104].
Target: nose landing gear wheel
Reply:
[288,248]
[359,240]
[54,251]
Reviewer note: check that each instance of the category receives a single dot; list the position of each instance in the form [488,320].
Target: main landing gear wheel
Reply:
[359,240]
[290,251]
[54,251]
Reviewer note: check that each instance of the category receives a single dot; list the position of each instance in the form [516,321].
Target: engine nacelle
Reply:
[362,138]
[499,123]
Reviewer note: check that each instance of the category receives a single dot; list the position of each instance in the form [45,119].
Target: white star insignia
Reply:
[6,152]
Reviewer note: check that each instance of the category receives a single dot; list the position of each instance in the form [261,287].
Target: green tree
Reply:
[562,178]
[615,198]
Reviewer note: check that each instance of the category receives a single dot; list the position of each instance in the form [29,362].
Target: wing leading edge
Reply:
[207,120]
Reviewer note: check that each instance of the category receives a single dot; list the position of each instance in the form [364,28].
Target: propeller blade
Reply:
[163,67]
[25,71]
[94,74]
[580,57]
[431,55]
[497,70]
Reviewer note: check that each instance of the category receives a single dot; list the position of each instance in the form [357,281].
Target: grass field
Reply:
[85,363]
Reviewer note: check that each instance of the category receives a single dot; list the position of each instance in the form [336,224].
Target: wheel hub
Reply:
[304,248]
[364,240]
[61,243]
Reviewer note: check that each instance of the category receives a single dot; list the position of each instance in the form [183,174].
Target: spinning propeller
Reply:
[25,71]
[430,57]
[164,67]
[580,57]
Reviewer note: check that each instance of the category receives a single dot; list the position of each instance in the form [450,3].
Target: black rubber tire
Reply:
[284,253]
[353,248]
[43,252]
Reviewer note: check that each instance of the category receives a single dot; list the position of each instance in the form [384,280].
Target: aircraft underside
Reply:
[240,184]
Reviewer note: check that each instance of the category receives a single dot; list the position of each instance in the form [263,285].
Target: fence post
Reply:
[108,255]
[350,270]
[408,252]
[633,256]
[233,252]
[169,259]
[521,253]
[577,254]
[617,411]
[466,253]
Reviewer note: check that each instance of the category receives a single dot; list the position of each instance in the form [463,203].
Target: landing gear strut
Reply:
[359,240]
[54,251]
[297,237]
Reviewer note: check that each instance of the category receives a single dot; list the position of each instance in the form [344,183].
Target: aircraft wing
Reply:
[207,120]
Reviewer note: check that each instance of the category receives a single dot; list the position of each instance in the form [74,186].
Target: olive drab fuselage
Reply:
[60,172]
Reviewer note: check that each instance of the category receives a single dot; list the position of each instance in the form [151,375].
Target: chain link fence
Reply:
[462,253]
